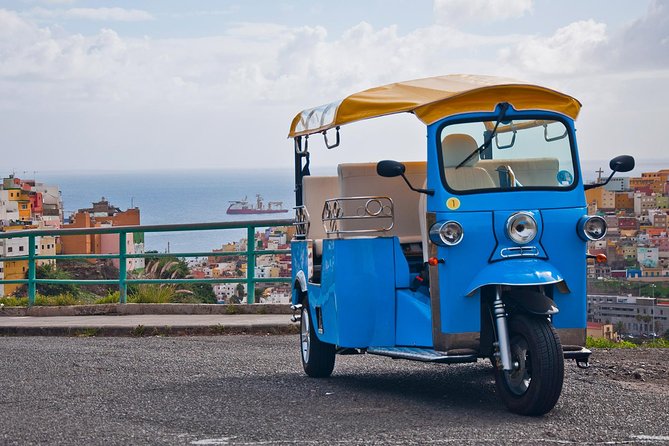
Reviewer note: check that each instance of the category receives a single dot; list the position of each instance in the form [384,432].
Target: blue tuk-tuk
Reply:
[479,252]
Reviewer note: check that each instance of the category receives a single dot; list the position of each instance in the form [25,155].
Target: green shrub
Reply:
[59,300]
[11,301]
[47,271]
[657,343]
[591,342]
[111,298]
[152,294]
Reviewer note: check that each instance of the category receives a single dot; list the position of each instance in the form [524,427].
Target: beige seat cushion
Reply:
[315,190]
[356,180]
[455,149]
[529,172]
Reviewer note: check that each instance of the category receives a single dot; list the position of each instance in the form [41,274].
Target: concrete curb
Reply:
[137,309]
[142,330]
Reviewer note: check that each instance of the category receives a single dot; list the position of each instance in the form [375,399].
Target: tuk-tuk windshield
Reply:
[522,153]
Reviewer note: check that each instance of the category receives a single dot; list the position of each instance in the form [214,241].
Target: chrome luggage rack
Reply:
[302,221]
[378,211]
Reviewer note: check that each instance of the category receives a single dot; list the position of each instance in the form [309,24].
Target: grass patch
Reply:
[111,298]
[138,331]
[152,294]
[232,309]
[11,301]
[56,301]
[606,343]
[657,343]
[41,301]
[88,332]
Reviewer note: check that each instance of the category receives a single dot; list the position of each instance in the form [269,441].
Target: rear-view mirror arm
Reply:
[429,192]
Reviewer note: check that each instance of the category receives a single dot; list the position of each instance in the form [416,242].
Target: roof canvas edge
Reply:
[432,99]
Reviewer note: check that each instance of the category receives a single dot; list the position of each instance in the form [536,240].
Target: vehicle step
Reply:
[580,354]
[421,354]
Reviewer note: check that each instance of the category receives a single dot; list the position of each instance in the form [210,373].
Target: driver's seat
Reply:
[455,148]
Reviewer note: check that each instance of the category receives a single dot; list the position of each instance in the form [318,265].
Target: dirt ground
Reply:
[639,365]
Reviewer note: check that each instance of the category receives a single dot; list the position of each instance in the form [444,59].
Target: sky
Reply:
[140,85]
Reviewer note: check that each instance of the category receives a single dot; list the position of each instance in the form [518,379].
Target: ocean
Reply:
[166,197]
[198,196]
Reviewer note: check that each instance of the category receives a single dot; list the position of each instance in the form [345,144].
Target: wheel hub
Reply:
[520,377]
[305,334]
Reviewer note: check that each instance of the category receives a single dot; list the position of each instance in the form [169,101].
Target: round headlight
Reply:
[594,228]
[449,233]
[521,228]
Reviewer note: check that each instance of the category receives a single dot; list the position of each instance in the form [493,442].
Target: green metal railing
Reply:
[123,281]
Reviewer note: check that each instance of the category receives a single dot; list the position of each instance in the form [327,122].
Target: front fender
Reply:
[516,272]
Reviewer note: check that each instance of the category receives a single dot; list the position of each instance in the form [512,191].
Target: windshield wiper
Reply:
[504,106]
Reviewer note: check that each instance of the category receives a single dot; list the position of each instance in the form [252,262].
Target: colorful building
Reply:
[103,214]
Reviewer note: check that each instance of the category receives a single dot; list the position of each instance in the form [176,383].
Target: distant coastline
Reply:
[171,196]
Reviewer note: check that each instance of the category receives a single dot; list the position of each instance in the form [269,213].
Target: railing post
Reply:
[250,264]
[32,273]
[122,268]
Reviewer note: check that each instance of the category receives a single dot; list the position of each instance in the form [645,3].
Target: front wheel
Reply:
[318,357]
[534,386]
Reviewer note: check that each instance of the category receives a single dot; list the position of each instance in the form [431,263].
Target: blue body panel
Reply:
[299,261]
[402,277]
[567,253]
[357,291]
[414,319]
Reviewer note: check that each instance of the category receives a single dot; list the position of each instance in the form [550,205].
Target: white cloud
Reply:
[147,99]
[96,14]
[457,12]
[645,43]
[569,50]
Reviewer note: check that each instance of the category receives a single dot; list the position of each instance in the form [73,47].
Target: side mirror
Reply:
[390,168]
[622,163]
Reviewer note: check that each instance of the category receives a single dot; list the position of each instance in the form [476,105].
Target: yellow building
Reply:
[605,199]
[23,199]
[14,270]
[47,247]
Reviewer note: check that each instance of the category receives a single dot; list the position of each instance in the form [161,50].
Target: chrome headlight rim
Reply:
[439,231]
[512,233]
[583,223]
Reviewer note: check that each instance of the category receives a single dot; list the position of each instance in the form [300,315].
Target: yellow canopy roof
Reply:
[433,98]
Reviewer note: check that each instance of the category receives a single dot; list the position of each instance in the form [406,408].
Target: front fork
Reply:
[502,346]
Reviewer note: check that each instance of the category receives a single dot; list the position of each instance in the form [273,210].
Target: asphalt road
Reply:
[251,390]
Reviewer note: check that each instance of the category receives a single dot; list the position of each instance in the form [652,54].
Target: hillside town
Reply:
[28,204]
[228,265]
[637,251]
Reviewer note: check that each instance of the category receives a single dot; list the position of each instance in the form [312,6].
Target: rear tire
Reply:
[535,386]
[318,357]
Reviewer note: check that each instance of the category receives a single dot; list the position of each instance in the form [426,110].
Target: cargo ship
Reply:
[246,208]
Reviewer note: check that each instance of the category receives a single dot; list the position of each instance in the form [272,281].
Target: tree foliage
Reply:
[47,271]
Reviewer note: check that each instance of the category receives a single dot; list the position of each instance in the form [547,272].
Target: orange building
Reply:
[655,181]
[101,214]
[624,201]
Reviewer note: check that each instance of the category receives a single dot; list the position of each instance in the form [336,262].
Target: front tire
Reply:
[534,387]
[318,357]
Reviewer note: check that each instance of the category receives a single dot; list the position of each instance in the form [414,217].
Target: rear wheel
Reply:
[534,386]
[318,357]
